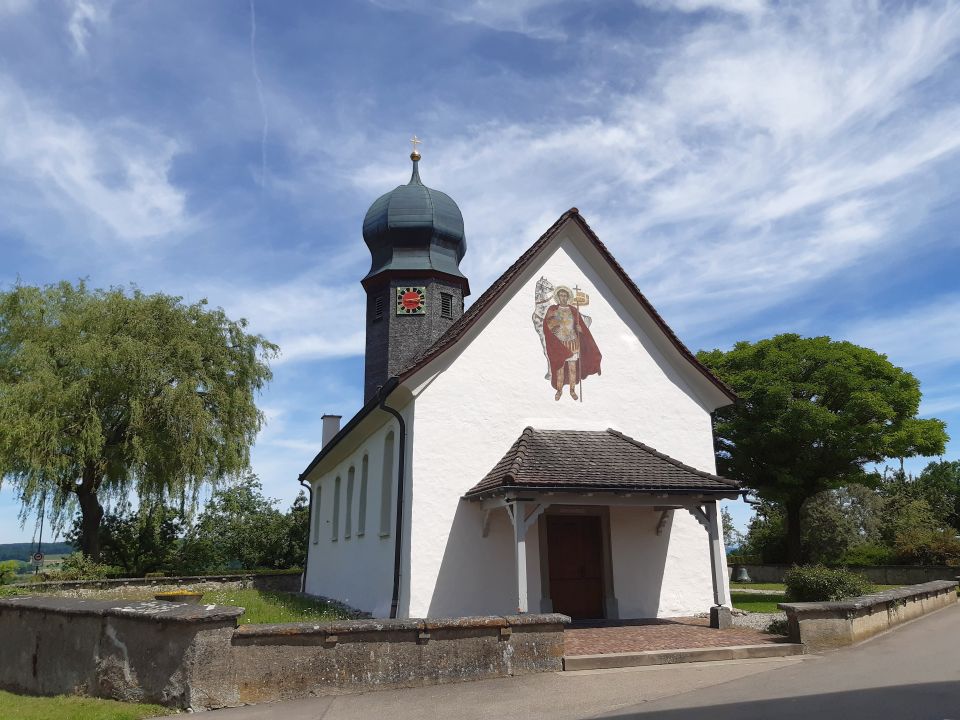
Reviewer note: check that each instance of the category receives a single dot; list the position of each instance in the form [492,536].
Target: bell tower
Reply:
[415,289]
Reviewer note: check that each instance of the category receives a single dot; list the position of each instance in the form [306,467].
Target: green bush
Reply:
[78,566]
[869,554]
[8,571]
[778,627]
[816,583]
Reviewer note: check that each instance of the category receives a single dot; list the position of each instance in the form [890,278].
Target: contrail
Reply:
[259,84]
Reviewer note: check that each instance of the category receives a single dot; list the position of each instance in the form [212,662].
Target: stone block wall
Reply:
[195,656]
[825,625]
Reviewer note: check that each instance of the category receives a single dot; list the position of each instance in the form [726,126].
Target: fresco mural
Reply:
[568,345]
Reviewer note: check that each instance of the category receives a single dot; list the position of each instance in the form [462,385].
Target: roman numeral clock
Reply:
[411,301]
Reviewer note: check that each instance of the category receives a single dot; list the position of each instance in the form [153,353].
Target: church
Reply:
[549,449]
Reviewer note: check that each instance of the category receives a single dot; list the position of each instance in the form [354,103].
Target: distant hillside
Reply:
[23,551]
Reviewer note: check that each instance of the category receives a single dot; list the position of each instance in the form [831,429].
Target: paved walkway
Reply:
[662,634]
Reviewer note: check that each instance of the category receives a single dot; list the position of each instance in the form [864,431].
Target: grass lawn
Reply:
[260,606]
[781,586]
[26,707]
[265,606]
[756,602]
[757,586]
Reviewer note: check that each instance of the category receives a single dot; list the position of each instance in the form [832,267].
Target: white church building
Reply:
[549,449]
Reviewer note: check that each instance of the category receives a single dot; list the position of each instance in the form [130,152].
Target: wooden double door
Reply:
[575,559]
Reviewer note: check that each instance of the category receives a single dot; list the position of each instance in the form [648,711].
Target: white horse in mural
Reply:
[543,299]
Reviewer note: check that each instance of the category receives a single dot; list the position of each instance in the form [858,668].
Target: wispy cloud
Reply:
[921,336]
[756,160]
[85,16]
[110,176]
[308,317]
[259,86]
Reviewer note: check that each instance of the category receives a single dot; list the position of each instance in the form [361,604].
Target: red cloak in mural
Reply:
[570,347]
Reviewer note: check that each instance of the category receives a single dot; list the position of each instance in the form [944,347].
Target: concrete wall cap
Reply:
[158,610]
[865,602]
[348,627]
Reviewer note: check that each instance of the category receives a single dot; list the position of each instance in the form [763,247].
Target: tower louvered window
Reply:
[446,305]
[378,308]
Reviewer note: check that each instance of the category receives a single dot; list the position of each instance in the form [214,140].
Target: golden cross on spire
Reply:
[415,155]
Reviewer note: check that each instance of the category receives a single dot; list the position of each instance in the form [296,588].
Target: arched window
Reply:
[316,513]
[386,486]
[336,510]
[362,509]
[348,519]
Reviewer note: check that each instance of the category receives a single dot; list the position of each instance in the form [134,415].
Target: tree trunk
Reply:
[794,549]
[91,513]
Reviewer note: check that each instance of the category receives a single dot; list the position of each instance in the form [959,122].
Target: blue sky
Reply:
[756,168]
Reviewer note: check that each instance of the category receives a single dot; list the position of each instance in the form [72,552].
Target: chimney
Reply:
[331,426]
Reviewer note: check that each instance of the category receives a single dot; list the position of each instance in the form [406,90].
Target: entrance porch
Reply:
[616,529]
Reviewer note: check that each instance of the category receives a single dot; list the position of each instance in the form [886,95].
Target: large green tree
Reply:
[104,392]
[812,413]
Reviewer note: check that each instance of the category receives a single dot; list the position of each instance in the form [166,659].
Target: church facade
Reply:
[549,449]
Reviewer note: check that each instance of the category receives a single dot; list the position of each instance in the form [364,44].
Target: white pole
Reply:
[520,537]
[716,555]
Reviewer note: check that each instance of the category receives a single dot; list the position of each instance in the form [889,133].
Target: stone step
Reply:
[682,655]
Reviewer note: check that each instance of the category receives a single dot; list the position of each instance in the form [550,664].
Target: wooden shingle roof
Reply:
[592,460]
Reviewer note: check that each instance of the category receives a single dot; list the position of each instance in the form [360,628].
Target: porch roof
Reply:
[592,461]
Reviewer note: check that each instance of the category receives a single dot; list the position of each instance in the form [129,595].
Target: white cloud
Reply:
[85,16]
[519,16]
[743,7]
[111,176]
[921,336]
[309,317]
[755,161]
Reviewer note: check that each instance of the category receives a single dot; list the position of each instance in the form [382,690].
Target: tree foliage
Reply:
[812,413]
[891,522]
[241,529]
[103,392]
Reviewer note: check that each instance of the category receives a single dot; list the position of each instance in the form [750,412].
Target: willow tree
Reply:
[812,413]
[104,392]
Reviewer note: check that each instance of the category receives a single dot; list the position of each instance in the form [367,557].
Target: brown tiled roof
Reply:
[594,460]
[476,311]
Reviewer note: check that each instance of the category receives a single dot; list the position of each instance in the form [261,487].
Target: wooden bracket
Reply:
[701,516]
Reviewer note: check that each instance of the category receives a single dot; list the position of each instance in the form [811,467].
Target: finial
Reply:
[415,155]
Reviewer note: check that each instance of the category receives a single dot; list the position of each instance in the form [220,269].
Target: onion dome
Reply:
[415,231]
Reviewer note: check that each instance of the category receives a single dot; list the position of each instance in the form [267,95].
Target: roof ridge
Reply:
[519,448]
[454,332]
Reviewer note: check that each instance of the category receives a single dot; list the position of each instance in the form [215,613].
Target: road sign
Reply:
[38,557]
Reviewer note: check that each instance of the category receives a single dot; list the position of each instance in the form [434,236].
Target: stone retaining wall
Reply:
[195,656]
[834,624]
[877,574]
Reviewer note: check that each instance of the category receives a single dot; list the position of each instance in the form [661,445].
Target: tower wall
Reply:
[394,341]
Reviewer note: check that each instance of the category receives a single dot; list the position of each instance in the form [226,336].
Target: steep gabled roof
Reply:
[487,299]
[480,307]
[592,461]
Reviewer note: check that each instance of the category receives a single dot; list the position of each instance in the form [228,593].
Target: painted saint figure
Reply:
[570,347]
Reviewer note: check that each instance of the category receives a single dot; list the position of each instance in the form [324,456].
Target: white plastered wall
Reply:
[357,570]
[469,415]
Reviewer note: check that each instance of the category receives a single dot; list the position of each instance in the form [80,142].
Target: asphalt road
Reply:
[912,673]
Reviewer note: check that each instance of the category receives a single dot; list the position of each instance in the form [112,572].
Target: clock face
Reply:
[410,301]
